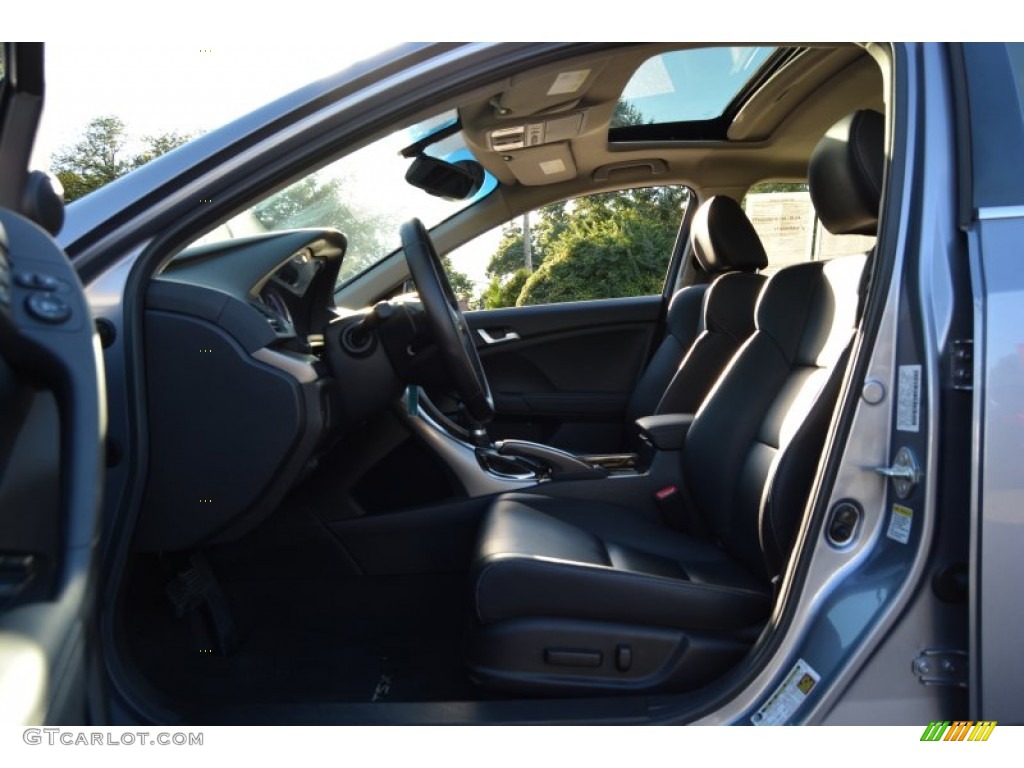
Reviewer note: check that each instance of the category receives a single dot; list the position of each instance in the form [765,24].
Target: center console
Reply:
[485,467]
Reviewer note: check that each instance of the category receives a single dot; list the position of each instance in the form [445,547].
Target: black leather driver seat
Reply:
[706,323]
[571,594]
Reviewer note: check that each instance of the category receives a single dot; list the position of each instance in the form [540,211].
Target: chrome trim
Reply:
[459,456]
[978,485]
[1000,212]
[488,339]
[297,366]
[904,474]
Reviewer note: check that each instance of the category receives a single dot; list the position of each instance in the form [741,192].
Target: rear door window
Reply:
[784,217]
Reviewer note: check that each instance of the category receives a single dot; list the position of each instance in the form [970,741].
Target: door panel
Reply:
[562,374]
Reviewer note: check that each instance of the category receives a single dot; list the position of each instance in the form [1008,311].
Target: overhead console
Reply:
[533,134]
[539,152]
[536,129]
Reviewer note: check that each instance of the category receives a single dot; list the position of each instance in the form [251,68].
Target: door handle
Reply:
[497,335]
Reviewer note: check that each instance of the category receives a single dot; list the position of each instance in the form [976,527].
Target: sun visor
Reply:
[547,164]
[550,92]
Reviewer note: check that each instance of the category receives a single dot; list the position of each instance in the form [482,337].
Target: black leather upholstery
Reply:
[547,568]
[724,239]
[693,354]
[683,323]
[845,174]
[805,320]
[729,321]
[604,566]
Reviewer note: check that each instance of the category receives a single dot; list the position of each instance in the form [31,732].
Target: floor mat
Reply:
[340,639]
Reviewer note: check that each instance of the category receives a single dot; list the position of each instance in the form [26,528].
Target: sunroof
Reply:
[687,86]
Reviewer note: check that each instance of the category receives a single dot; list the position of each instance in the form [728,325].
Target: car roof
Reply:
[769,134]
[769,130]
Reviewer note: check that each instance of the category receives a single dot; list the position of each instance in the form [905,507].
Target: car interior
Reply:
[362,496]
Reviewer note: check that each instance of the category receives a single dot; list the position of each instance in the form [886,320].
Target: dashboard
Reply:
[287,278]
[240,401]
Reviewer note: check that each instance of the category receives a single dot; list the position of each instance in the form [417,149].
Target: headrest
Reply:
[845,174]
[723,238]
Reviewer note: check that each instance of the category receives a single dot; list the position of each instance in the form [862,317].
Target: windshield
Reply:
[364,195]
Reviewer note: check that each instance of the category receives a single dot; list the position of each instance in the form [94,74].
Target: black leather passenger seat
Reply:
[571,594]
[706,323]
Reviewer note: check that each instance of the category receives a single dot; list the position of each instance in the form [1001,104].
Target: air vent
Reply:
[273,319]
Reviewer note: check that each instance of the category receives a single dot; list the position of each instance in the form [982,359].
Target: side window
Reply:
[603,246]
[784,217]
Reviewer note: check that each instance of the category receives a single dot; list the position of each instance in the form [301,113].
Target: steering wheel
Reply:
[452,335]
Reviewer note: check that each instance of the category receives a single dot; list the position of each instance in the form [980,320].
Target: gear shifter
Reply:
[523,458]
[478,435]
[480,438]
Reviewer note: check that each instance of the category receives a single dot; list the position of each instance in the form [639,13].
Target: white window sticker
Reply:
[900,523]
[788,697]
[568,82]
[908,399]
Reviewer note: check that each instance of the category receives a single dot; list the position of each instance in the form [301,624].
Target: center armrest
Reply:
[666,431]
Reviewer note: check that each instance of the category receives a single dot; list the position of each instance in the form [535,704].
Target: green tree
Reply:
[603,257]
[627,114]
[778,186]
[99,156]
[601,246]
[316,202]
[509,255]
[160,144]
[547,223]
[461,283]
[503,291]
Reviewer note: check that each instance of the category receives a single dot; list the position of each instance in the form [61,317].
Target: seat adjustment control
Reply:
[623,658]
[567,657]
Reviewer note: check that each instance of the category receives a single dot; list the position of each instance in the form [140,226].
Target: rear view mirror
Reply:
[454,181]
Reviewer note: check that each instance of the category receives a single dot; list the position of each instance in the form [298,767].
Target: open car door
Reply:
[52,424]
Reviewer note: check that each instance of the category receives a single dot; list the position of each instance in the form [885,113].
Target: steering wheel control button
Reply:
[48,308]
[36,281]
[843,524]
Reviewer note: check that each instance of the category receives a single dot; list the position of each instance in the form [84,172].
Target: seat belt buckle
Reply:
[669,502]
[666,493]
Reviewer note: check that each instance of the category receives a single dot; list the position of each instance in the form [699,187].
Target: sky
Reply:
[158,87]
